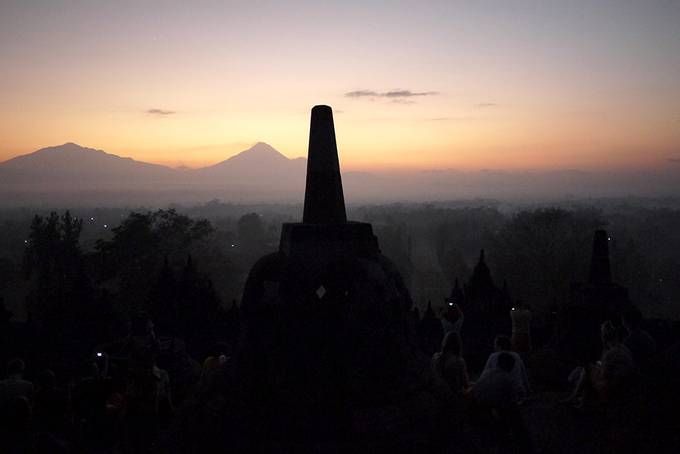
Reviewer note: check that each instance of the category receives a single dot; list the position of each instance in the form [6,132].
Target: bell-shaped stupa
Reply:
[326,317]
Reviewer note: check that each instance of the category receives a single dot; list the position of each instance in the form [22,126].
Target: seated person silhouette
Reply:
[493,403]
[608,377]
[518,372]
[496,389]
[449,366]
[14,385]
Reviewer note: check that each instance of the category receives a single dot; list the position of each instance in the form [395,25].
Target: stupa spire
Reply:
[324,199]
[600,271]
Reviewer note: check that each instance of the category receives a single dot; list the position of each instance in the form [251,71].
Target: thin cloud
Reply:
[361,94]
[407,93]
[392,94]
[160,112]
[484,105]
[674,160]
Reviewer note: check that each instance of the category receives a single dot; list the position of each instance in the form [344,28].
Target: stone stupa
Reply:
[327,329]
[590,304]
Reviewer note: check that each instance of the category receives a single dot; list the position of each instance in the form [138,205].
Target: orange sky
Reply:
[442,85]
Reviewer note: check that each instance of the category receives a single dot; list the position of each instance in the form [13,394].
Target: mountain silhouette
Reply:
[71,175]
[259,154]
[257,162]
[64,163]
[70,159]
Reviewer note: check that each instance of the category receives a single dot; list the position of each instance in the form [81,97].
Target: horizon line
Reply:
[399,169]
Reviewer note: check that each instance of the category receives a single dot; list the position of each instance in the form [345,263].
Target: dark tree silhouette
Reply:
[163,302]
[198,307]
[131,260]
[250,233]
[541,252]
[53,262]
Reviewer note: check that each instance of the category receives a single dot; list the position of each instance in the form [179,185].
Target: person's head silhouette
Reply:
[503,344]
[15,368]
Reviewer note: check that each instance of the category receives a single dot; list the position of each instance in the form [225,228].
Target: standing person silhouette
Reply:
[521,328]
[452,317]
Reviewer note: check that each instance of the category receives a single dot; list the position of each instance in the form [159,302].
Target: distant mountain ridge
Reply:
[70,154]
[64,171]
[68,161]
[71,160]
[71,175]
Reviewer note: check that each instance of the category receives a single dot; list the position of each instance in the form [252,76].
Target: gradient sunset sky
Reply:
[465,85]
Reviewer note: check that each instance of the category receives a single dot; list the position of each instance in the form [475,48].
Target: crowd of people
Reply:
[626,351]
[119,400]
[493,400]
[124,401]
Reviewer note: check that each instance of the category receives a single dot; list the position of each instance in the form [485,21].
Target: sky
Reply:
[508,85]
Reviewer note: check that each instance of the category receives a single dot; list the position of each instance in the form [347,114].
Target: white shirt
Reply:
[495,388]
[518,373]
